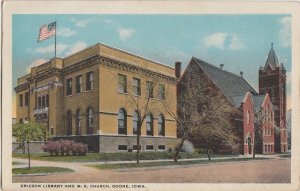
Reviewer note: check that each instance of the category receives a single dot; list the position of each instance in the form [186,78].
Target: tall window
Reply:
[149,124]
[78,84]
[136,86]
[122,83]
[90,121]
[89,81]
[78,122]
[122,122]
[43,101]
[161,125]
[39,102]
[69,86]
[136,121]
[69,123]
[149,89]
[47,100]
[248,117]
[21,100]
[161,92]
[26,99]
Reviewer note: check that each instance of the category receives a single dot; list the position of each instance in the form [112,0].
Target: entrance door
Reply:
[249,145]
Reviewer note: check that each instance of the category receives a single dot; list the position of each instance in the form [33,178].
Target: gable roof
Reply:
[237,100]
[231,85]
[258,101]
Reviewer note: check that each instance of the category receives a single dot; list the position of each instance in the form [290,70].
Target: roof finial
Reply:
[272,45]
[241,73]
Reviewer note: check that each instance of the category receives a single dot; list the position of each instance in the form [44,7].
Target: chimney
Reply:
[177,69]
[222,66]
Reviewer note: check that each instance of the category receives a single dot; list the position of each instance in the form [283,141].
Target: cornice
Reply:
[97,59]
[46,74]
[22,87]
[114,64]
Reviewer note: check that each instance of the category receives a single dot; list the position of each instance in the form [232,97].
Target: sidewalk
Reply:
[72,164]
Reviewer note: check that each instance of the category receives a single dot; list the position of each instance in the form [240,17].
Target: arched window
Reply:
[90,121]
[161,125]
[122,123]
[69,123]
[149,124]
[248,116]
[78,122]
[135,122]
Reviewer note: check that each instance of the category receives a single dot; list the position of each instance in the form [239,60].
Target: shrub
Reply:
[65,147]
[73,148]
[51,147]
[188,147]
[200,151]
[81,149]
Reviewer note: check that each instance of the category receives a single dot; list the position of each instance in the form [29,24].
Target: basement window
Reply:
[149,147]
[122,147]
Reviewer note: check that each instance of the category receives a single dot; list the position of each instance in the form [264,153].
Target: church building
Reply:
[259,113]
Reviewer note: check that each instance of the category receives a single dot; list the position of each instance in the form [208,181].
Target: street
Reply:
[275,170]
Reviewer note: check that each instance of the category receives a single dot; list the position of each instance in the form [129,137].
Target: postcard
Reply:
[150,95]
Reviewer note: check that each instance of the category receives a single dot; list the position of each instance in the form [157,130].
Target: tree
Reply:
[203,113]
[140,100]
[29,131]
[258,131]
[258,121]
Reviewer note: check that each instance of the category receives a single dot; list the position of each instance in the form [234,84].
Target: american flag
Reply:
[47,31]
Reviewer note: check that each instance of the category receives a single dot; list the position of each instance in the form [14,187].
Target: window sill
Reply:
[119,92]
[136,95]
[87,91]
[151,98]
[69,95]
[78,93]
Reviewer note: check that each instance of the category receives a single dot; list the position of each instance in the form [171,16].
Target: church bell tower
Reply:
[272,80]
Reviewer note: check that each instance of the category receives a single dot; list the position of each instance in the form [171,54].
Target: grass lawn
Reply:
[285,155]
[40,170]
[17,163]
[167,163]
[121,156]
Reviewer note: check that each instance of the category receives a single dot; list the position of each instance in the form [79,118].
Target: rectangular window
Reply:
[69,86]
[135,147]
[39,102]
[136,86]
[149,147]
[21,100]
[161,147]
[89,81]
[149,89]
[122,83]
[161,92]
[78,84]
[26,99]
[47,100]
[122,147]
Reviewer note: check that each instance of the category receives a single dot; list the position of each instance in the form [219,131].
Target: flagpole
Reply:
[55,40]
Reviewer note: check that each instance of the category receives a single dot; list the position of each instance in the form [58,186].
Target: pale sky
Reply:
[240,42]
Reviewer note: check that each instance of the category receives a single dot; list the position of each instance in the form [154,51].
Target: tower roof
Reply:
[272,59]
